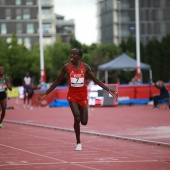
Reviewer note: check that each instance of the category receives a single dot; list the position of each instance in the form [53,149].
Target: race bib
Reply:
[77,80]
[2,87]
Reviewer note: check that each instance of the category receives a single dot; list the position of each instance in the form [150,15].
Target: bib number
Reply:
[77,80]
[2,87]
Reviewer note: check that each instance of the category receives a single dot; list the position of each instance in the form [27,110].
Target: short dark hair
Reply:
[80,53]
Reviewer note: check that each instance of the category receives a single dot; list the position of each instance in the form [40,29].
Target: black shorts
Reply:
[3,95]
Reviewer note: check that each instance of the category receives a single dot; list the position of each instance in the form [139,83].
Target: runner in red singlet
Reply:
[77,94]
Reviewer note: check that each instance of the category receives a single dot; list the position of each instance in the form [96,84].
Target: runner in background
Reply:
[4,83]
[27,89]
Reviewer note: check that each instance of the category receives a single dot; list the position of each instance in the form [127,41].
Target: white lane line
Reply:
[32,153]
[27,164]
[41,137]
[132,161]
[62,161]
[86,162]
[92,147]
[50,164]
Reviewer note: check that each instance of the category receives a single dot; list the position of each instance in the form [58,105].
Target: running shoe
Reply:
[1,125]
[78,147]
[155,107]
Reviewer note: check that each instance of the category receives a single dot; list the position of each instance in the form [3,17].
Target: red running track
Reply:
[30,147]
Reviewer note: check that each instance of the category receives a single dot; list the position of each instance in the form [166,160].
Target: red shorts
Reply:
[81,99]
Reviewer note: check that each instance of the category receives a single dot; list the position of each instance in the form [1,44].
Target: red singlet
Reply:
[77,85]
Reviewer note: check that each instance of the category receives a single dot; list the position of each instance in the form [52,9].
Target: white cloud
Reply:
[84,14]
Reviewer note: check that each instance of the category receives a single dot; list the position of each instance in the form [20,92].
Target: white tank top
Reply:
[27,80]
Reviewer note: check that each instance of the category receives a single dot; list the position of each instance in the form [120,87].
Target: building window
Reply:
[149,29]
[67,29]
[46,14]
[8,40]
[46,41]
[155,15]
[46,28]
[18,14]
[156,3]
[27,42]
[167,3]
[29,2]
[19,40]
[3,28]
[59,30]
[8,14]
[147,14]
[26,14]
[166,15]
[17,2]
[45,2]
[167,27]
[2,2]
[30,28]
[19,28]
[157,28]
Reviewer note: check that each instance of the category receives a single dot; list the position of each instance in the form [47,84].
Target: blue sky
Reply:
[84,13]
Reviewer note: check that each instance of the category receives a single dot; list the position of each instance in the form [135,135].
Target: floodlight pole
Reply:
[42,70]
[138,69]
[119,21]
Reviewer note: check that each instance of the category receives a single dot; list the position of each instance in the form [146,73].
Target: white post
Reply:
[106,76]
[98,74]
[150,74]
[42,71]
[119,21]
[137,39]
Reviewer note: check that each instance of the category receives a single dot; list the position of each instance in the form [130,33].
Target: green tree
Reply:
[75,44]
[129,46]
[4,56]
[18,60]
[34,64]
[55,57]
[153,53]
[165,59]
[102,54]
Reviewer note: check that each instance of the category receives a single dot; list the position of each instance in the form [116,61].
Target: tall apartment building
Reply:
[20,17]
[65,29]
[116,20]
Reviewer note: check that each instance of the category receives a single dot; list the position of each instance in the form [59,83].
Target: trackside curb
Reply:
[92,133]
